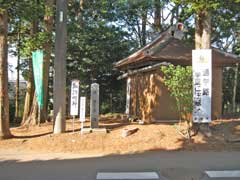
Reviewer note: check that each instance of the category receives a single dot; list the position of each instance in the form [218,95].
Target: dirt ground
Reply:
[149,137]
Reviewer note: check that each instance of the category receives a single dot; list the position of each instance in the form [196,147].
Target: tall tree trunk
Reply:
[235,84]
[207,28]
[157,16]
[80,13]
[29,93]
[17,78]
[59,86]
[30,83]
[144,24]
[198,31]
[33,117]
[4,102]
[203,30]
[48,20]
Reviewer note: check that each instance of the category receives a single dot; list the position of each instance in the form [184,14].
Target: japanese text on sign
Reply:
[202,85]
[74,98]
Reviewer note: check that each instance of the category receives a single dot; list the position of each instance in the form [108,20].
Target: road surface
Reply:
[178,165]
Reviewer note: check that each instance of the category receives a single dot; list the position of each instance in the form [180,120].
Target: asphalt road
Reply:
[179,165]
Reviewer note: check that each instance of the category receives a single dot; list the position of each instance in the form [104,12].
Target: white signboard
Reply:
[82,109]
[128,96]
[74,97]
[202,85]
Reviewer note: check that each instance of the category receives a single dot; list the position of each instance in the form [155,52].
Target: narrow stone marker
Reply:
[127,175]
[94,105]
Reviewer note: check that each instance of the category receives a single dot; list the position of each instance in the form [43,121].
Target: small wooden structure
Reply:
[149,99]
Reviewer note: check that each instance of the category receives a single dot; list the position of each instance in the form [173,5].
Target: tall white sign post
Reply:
[94,105]
[202,85]
[82,111]
[74,100]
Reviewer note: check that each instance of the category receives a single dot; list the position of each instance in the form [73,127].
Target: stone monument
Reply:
[94,105]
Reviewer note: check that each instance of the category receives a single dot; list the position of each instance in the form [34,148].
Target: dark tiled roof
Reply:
[169,49]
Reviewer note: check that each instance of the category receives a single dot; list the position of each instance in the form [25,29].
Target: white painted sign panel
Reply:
[82,109]
[74,97]
[202,85]
[128,96]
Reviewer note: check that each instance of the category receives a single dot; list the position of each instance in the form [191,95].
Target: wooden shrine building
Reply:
[147,96]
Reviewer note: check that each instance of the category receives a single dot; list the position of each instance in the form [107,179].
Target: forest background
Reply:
[99,34]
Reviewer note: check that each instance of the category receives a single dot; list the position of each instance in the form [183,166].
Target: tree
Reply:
[40,115]
[157,16]
[59,92]
[135,16]
[17,107]
[144,26]
[202,10]
[178,80]
[226,37]
[93,48]
[216,24]
[4,103]
[48,26]
[28,107]
[19,30]
[203,29]
[40,38]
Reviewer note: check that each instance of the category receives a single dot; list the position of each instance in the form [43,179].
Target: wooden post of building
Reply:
[128,97]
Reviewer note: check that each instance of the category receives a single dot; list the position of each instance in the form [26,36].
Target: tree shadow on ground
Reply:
[225,137]
[31,136]
[222,131]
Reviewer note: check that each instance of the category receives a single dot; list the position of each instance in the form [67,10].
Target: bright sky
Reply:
[12,64]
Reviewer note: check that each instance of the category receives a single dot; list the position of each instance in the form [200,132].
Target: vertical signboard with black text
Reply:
[74,97]
[202,85]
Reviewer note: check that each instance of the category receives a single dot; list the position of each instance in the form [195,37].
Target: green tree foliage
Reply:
[196,6]
[178,80]
[224,33]
[94,47]
[105,31]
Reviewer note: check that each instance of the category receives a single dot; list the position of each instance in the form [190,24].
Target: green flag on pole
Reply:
[37,59]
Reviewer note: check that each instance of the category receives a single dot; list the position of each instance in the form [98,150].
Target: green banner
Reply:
[37,59]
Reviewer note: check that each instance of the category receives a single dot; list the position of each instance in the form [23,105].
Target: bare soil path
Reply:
[149,137]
